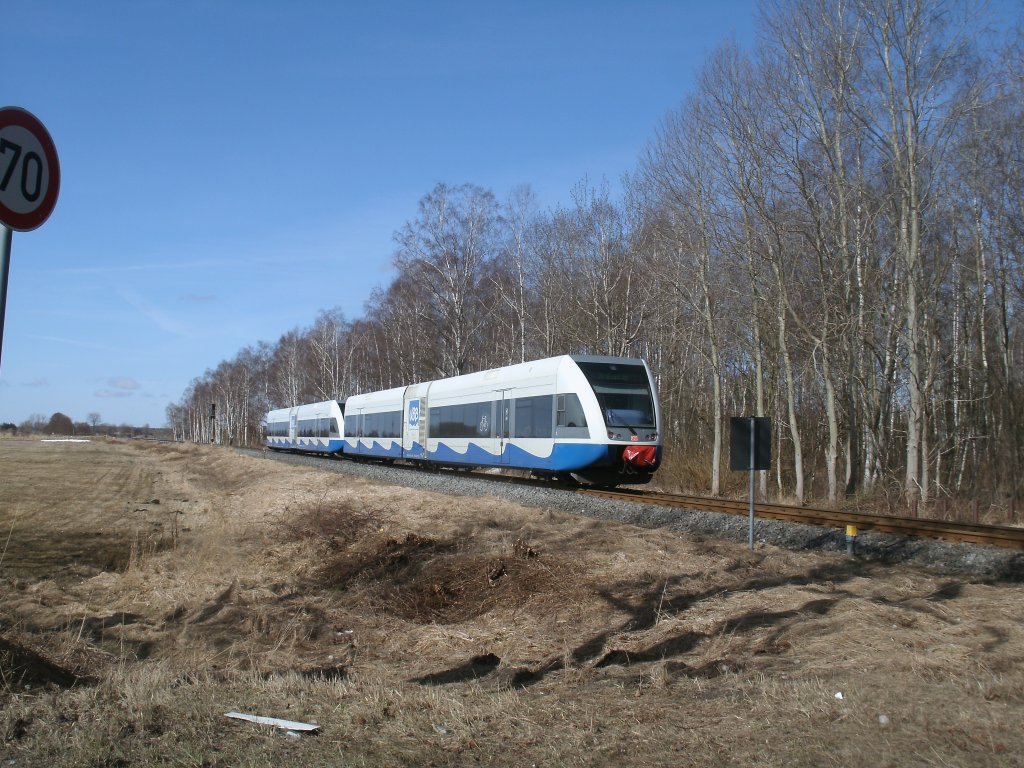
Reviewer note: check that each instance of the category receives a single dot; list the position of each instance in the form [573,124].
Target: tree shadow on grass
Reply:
[644,605]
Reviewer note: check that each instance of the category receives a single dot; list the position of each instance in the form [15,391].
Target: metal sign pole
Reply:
[6,236]
[752,463]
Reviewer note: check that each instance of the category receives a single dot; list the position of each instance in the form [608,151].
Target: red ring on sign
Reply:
[23,222]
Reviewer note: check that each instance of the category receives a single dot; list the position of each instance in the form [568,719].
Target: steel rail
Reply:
[973,533]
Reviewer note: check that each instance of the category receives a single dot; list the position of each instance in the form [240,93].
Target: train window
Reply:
[504,418]
[447,421]
[382,425]
[623,392]
[534,416]
[465,420]
[352,426]
[437,426]
[570,411]
[334,428]
[390,424]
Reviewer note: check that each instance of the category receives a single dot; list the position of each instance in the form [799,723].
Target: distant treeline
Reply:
[63,425]
[828,231]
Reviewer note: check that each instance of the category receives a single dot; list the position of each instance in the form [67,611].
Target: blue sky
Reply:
[229,169]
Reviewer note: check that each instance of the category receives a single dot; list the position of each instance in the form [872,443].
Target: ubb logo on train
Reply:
[414,413]
[29,170]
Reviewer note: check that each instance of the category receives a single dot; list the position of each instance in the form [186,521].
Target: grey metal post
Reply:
[751,536]
[5,271]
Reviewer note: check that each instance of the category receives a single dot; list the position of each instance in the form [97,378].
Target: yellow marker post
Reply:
[851,537]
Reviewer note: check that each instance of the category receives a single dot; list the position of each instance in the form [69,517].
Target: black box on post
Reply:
[739,442]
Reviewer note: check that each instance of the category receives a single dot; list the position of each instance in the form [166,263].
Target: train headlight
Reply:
[614,435]
[652,436]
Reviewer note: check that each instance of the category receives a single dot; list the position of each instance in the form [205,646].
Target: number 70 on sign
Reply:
[29,170]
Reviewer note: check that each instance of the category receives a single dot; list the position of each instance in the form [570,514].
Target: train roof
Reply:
[374,398]
[607,359]
[306,407]
[544,366]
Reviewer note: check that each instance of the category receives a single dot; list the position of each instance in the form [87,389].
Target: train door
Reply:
[360,448]
[414,424]
[502,404]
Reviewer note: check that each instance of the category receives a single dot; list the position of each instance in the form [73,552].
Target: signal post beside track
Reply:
[750,448]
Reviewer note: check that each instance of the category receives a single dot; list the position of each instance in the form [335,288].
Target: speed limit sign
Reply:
[29,170]
[29,183]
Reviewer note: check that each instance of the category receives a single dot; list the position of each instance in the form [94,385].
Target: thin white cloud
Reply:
[147,266]
[158,317]
[36,383]
[124,382]
[119,386]
[178,266]
[74,342]
[113,393]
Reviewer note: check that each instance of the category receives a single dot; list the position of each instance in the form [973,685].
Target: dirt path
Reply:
[172,584]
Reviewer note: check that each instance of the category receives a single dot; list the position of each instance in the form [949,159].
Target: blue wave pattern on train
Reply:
[594,418]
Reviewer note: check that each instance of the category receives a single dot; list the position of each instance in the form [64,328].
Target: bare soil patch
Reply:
[145,590]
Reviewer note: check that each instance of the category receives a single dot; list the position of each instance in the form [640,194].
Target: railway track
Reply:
[972,533]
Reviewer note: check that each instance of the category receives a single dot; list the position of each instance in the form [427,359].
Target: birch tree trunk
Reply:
[915,58]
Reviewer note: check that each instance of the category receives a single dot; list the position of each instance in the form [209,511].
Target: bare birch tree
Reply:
[678,167]
[444,250]
[915,54]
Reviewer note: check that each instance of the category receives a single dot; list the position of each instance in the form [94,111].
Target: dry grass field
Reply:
[146,590]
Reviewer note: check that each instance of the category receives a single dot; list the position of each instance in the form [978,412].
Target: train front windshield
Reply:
[623,392]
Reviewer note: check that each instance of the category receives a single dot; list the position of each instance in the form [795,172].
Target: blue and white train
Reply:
[596,419]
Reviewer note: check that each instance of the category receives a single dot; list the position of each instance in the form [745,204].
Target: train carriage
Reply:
[315,427]
[373,424]
[593,418]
